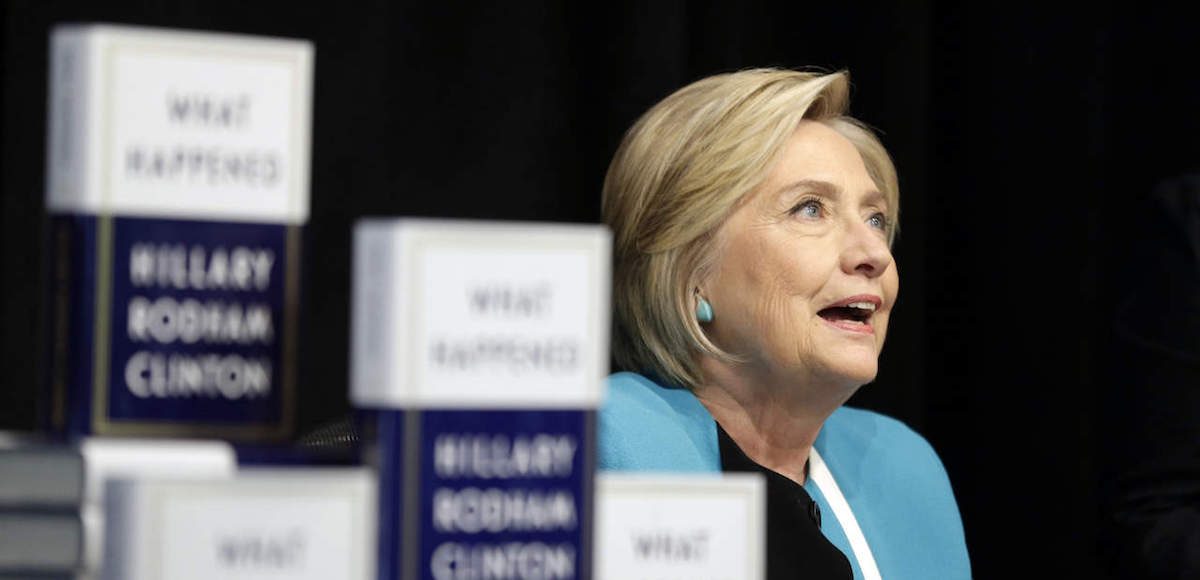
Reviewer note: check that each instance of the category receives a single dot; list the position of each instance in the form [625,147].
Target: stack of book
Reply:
[177,186]
[41,492]
[479,353]
[177,190]
[52,494]
[479,348]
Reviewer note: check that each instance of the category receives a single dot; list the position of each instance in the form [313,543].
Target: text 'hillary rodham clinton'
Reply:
[548,507]
[219,322]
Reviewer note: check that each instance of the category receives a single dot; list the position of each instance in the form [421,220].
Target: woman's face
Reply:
[804,280]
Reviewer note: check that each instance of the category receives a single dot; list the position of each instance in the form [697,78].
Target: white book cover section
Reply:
[174,123]
[483,315]
[680,527]
[298,523]
[108,459]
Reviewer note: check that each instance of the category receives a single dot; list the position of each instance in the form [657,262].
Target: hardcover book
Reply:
[37,473]
[296,523]
[680,525]
[177,187]
[40,542]
[480,350]
[52,493]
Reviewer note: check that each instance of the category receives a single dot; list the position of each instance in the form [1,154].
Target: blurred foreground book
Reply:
[651,526]
[177,184]
[479,349]
[52,514]
[299,523]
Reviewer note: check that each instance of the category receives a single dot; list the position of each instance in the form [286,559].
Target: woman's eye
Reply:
[878,221]
[811,209]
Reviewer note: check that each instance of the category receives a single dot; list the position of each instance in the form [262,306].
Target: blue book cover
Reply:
[484,493]
[177,190]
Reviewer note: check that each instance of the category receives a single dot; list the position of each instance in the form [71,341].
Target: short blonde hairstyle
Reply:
[680,171]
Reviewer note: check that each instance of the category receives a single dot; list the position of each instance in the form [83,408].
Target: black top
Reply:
[796,548]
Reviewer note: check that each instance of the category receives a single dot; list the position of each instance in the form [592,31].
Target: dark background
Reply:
[1021,136]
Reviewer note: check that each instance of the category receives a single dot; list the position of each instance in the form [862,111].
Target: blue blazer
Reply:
[891,477]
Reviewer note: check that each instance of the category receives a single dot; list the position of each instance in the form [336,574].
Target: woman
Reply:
[753,281]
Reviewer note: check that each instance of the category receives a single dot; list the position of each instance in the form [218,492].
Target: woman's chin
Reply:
[857,365]
[852,372]
[858,379]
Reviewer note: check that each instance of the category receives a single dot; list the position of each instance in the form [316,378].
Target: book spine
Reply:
[68,356]
[69,122]
[66,399]
[124,515]
[383,438]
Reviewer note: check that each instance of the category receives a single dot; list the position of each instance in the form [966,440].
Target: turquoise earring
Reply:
[704,311]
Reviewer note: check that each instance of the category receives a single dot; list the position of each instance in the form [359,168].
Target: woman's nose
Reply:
[866,251]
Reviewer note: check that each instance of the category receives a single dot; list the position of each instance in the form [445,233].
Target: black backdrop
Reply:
[1019,135]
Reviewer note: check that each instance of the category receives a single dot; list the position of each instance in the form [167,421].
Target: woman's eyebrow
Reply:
[875,197]
[830,190]
[821,186]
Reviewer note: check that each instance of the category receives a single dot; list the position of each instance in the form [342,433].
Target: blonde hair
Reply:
[680,171]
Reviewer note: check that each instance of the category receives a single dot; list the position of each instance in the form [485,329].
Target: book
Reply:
[697,525]
[177,186]
[479,353]
[109,459]
[37,473]
[296,523]
[41,478]
[40,542]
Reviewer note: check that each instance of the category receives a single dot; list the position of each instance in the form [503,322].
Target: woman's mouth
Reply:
[854,316]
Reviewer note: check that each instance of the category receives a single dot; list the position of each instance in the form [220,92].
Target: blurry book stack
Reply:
[177,190]
[479,351]
[177,187]
[41,527]
[52,505]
